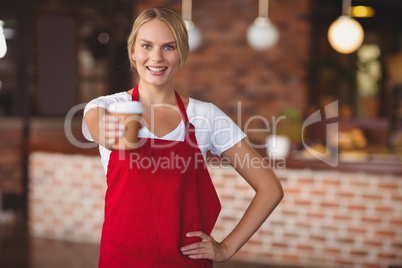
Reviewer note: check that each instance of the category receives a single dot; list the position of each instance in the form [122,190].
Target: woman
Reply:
[162,215]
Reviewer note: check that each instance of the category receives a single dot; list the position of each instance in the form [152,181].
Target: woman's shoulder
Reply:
[200,104]
[204,107]
[196,107]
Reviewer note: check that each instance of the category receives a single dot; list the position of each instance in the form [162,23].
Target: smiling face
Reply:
[155,53]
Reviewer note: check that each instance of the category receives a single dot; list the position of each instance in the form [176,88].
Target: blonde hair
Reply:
[172,19]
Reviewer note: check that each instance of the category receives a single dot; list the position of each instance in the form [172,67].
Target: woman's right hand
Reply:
[110,130]
[104,128]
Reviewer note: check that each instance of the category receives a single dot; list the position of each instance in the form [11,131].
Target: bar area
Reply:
[328,122]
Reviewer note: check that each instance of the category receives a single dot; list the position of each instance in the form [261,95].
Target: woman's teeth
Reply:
[156,69]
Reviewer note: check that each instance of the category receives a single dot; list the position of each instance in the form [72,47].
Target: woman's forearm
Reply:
[261,206]
[268,194]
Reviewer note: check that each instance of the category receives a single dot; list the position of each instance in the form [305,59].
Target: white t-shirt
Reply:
[214,130]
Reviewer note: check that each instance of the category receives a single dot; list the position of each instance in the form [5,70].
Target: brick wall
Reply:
[66,196]
[327,218]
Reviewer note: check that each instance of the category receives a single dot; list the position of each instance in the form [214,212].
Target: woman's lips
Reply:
[156,70]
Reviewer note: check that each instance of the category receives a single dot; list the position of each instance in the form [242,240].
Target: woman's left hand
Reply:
[208,248]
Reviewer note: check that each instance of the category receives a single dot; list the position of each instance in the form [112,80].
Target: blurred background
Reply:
[60,54]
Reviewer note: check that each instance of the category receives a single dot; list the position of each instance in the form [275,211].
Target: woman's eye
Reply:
[169,47]
[146,46]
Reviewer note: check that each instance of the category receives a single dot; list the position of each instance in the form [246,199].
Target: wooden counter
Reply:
[377,164]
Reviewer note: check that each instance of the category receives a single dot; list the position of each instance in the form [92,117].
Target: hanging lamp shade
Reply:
[194,35]
[262,34]
[3,45]
[345,35]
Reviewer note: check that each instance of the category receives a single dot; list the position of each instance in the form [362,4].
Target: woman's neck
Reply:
[150,94]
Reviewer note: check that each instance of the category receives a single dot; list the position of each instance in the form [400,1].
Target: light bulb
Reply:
[345,35]
[194,35]
[362,11]
[262,34]
[3,45]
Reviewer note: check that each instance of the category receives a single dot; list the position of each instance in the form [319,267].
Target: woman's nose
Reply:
[157,55]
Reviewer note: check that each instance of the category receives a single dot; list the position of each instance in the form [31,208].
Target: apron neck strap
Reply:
[134,95]
[189,127]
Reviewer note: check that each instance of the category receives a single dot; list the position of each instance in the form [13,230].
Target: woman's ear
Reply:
[133,55]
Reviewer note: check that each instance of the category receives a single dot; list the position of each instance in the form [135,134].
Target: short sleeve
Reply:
[225,133]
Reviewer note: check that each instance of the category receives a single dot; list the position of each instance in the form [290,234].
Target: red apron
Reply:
[155,195]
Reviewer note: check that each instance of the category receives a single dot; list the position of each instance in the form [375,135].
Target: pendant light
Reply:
[362,11]
[194,35]
[345,34]
[3,45]
[262,34]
